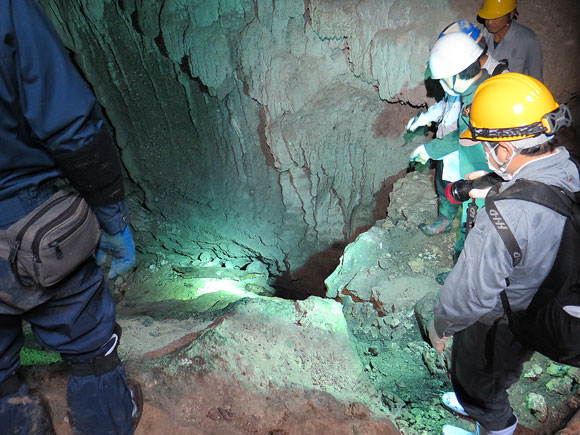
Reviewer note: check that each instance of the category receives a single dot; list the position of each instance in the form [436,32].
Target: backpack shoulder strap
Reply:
[506,235]
[553,197]
[501,226]
[560,200]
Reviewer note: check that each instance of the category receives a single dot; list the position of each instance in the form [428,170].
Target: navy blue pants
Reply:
[75,318]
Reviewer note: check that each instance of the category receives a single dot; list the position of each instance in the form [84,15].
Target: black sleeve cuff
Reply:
[94,169]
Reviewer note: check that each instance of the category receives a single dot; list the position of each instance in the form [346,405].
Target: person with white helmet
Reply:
[488,62]
[516,117]
[446,113]
[455,61]
[436,113]
[507,39]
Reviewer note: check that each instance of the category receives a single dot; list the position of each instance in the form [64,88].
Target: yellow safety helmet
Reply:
[511,107]
[492,9]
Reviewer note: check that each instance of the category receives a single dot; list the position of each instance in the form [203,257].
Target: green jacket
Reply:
[470,158]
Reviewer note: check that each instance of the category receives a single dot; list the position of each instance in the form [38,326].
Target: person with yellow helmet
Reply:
[507,39]
[516,117]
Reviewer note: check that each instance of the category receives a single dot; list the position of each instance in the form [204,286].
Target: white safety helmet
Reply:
[462,26]
[451,54]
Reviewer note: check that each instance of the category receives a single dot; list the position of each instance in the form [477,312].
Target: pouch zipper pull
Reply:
[56,246]
[14,252]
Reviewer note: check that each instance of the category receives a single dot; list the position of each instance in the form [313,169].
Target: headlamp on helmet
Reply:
[511,107]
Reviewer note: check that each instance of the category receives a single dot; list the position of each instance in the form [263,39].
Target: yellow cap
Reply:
[508,107]
[492,9]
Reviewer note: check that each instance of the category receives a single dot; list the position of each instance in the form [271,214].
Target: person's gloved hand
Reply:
[437,342]
[121,247]
[420,155]
[477,193]
[423,119]
[420,120]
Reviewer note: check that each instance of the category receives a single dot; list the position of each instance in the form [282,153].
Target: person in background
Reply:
[509,40]
[51,128]
[510,115]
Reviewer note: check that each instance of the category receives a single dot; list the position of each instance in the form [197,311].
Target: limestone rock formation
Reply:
[259,129]
[216,353]
[258,138]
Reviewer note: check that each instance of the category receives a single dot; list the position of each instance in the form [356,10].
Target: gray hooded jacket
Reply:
[471,291]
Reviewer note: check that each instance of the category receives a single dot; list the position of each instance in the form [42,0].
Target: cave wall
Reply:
[264,129]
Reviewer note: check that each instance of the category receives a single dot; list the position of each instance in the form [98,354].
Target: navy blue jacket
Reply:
[45,107]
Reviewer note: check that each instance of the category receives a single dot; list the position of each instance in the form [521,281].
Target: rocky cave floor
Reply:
[213,360]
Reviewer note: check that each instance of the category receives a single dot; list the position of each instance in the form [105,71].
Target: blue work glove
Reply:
[120,246]
[420,155]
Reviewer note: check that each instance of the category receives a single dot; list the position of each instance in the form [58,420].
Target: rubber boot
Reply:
[480,430]
[441,225]
[137,400]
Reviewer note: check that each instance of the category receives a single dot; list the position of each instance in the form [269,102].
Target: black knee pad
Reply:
[101,364]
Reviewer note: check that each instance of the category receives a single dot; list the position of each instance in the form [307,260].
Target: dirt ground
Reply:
[161,318]
[398,361]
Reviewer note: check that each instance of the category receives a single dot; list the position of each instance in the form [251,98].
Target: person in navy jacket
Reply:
[51,128]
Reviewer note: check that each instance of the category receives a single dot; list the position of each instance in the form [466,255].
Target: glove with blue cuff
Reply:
[419,155]
[121,247]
